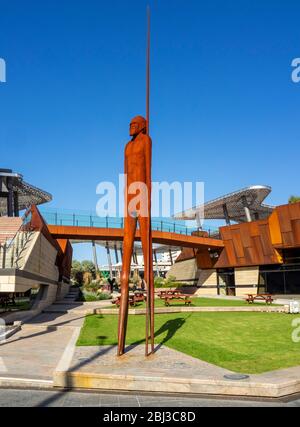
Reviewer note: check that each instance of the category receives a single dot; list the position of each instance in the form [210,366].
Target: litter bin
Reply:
[294,307]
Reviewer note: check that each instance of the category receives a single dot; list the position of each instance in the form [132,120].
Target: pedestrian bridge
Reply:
[84,227]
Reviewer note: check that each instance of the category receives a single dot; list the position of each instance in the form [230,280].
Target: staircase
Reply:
[14,242]
[72,296]
[8,228]
[66,304]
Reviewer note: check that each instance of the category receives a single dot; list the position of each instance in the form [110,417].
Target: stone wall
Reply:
[185,271]
[207,283]
[245,278]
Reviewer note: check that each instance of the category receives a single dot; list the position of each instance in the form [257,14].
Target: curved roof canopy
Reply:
[26,193]
[234,205]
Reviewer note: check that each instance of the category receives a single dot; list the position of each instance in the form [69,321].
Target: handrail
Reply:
[24,222]
[8,248]
[89,220]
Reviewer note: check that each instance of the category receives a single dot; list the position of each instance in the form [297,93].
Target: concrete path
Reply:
[46,398]
[45,349]
[31,356]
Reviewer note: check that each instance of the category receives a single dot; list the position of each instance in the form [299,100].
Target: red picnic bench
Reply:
[251,298]
[133,299]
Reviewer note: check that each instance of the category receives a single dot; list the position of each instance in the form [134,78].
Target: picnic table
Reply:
[117,301]
[139,297]
[174,296]
[251,298]
[178,298]
[133,299]
[170,293]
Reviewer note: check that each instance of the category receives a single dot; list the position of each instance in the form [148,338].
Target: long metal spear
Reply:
[150,303]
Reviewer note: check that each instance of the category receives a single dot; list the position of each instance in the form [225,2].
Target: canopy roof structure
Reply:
[240,206]
[118,245]
[13,190]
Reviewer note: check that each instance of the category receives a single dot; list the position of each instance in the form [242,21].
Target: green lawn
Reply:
[200,302]
[242,342]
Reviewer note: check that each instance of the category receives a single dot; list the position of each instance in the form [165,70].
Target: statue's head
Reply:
[138,125]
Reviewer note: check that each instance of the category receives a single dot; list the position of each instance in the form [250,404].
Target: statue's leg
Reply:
[148,254]
[129,234]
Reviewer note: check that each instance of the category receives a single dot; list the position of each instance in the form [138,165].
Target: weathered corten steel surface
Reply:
[260,242]
[285,223]
[138,160]
[117,234]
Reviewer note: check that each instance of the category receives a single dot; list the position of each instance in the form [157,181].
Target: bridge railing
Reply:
[85,220]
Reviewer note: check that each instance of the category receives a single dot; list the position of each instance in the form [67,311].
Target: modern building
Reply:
[261,247]
[30,259]
[258,250]
[17,195]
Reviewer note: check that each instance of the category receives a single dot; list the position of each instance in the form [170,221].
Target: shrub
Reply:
[89,296]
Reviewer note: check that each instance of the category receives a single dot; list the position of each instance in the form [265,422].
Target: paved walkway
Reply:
[35,351]
[46,345]
[45,398]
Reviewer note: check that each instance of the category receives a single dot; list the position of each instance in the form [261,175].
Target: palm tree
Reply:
[294,199]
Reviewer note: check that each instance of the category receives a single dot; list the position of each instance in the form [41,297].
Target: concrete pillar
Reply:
[116,255]
[95,257]
[171,257]
[109,262]
[156,262]
[199,221]
[246,209]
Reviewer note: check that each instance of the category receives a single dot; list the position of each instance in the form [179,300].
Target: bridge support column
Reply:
[156,263]
[171,257]
[109,262]
[95,257]
[247,210]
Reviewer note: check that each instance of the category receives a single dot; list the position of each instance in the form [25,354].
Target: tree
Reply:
[89,267]
[76,272]
[294,199]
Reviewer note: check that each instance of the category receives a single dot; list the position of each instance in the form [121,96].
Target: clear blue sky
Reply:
[224,108]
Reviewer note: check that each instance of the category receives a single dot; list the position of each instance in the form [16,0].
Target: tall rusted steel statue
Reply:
[138,158]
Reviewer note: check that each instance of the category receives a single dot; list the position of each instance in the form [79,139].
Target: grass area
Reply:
[200,302]
[241,342]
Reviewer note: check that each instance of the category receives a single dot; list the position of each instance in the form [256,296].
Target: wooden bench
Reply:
[139,297]
[132,301]
[178,298]
[170,293]
[260,297]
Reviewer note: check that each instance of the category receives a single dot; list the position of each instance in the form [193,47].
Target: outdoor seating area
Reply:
[134,299]
[267,298]
[171,296]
